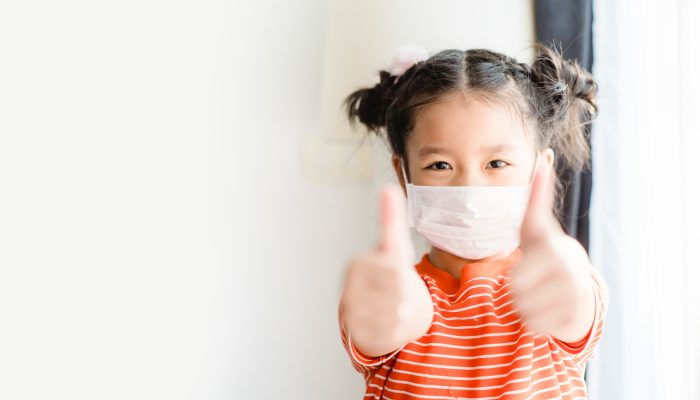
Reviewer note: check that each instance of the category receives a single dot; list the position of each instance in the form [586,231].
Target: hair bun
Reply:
[567,93]
[562,80]
[369,105]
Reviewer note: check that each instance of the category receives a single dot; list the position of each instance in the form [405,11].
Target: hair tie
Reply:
[405,57]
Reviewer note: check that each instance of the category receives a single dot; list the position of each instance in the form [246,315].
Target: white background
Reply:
[158,239]
[646,191]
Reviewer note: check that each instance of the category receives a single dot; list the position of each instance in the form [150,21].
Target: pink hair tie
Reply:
[405,57]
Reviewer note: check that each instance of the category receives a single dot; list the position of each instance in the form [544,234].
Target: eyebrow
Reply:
[426,151]
[497,148]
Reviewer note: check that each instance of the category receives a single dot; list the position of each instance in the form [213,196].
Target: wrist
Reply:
[577,327]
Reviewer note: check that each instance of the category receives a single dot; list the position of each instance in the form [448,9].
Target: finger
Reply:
[373,306]
[381,276]
[394,236]
[538,214]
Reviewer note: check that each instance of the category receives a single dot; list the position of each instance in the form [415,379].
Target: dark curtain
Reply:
[567,24]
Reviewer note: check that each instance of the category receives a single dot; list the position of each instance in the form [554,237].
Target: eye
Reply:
[440,165]
[496,164]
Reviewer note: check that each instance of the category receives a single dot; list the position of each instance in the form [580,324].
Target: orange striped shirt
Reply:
[478,347]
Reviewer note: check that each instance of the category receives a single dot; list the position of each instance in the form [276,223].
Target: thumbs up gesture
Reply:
[386,304]
[551,286]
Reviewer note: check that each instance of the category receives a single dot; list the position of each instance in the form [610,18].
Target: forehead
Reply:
[468,121]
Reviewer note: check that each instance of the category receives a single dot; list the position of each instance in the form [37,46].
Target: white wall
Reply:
[158,238]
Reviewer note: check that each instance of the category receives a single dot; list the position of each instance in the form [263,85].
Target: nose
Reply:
[469,177]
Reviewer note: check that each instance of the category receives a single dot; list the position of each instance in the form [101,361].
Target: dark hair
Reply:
[555,96]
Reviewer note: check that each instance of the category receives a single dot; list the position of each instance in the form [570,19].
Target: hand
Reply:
[386,304]
[552,285]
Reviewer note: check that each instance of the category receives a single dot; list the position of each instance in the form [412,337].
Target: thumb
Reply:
[538,217]
[394,236]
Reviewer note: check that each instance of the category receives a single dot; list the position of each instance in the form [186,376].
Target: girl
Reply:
[504,305]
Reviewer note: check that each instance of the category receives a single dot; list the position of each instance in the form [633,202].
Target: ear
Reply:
[548,155]
[396,162]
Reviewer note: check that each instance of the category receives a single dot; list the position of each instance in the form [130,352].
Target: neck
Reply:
[453,264]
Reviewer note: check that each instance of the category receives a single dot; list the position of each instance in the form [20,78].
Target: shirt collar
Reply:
[471,270]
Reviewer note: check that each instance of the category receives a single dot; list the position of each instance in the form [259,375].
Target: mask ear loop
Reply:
[409,196]
[534,168]
[403,171]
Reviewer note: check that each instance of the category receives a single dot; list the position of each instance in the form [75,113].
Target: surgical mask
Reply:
[471,222]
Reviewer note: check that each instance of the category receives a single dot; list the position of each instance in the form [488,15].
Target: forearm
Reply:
[407,323]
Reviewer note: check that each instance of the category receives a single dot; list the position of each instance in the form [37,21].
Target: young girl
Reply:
[504,305]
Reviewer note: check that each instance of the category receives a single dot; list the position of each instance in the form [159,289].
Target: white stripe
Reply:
[493,291]
[432,280]
[475,316]
[496,287]
[568,392]
[467,337]
[559,362]
[474,347]
[421,395]
[477,326]
[488,303]
[568,382]
[582,383]
[461,378]
[375,386]
[438,355]
[486,278]
[569,378]
[455,367]
[437,297]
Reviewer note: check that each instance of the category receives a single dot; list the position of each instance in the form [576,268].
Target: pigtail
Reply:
[369,105]
[566,105]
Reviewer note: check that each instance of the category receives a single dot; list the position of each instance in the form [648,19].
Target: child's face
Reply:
[469,143]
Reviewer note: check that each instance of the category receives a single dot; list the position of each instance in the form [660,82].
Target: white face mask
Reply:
[471,222]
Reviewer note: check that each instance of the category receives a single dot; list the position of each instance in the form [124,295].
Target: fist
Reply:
[385,303]
[552,285]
